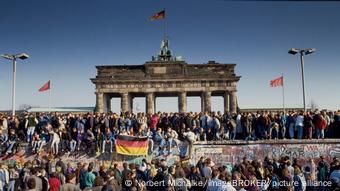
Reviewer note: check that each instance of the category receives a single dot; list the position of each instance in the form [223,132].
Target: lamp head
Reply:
[7,56]
[310,50]
[293,51]
[22,56]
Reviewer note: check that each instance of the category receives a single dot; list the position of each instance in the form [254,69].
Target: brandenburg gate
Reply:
[165,76]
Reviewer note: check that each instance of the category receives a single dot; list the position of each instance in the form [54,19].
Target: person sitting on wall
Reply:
[36,142]
[3,140]
[108,138]
[12,140]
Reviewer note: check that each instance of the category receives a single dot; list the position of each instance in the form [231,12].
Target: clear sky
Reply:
[66,39]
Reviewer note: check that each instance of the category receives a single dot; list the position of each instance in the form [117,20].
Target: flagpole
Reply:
[283,95]
[164,24]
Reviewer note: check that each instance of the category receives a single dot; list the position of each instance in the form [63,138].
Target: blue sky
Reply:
[66,39]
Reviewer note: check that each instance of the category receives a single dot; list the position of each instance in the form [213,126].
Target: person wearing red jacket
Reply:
[320,126]
[54,182]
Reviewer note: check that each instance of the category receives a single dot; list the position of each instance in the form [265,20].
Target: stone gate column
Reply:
[124,102]
[182,102]
[202,102]
[207,101]
[130,97]
[107,103]
[154,103]
[226,102]
[150,103]
[232,102]
[99,102]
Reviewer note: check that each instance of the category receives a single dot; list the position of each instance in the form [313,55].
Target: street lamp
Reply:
[302,52]
[14,57]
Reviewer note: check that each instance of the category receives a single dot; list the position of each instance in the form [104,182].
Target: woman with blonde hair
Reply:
[299,180]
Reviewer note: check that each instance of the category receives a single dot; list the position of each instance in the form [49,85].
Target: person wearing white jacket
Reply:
[55,142]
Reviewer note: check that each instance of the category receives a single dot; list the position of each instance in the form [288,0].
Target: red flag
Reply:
[276,82]
[45,87]
[159,15]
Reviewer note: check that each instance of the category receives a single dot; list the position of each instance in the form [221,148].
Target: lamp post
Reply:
[302,52]
[14,57]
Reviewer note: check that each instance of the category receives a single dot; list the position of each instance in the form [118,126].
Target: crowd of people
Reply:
[72,132]
[60,133]
[270,174]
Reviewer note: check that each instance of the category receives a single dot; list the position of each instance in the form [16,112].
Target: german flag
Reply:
[159,15]
[129,145]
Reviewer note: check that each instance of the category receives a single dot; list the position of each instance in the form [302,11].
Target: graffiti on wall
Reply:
[230,154]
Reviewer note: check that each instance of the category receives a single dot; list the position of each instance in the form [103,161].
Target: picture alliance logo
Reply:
[266,183]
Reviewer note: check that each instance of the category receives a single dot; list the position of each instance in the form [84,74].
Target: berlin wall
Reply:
[234,151]
[221,153]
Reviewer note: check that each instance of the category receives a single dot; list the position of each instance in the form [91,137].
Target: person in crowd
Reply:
[54,182]
[108,138]
[31,184]
[4,177]
[299,125]
[30,125]
[55,142]
[308,125]
[335,175]
[73,139]
[36,143]
[320,124]
[70,183]
[12,140]
[299,180]
[34,174]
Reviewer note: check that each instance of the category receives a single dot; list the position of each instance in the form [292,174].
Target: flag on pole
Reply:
[157,16]
[276,82]
[45,87]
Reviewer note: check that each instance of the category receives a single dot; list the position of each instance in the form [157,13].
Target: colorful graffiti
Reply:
[230,154]
[223,154]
